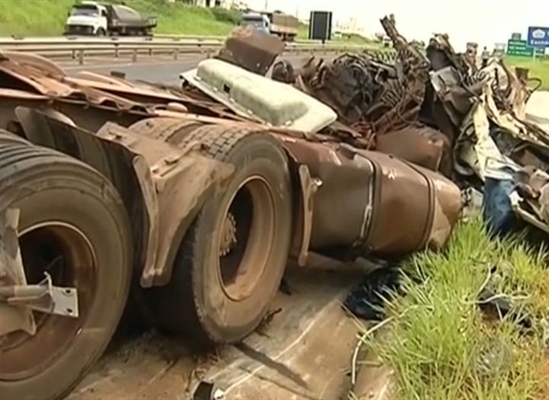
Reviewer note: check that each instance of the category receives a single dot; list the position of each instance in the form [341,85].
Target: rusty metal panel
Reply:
[403,206]
[341,200]
[363,195]
[251,49]
[420,145]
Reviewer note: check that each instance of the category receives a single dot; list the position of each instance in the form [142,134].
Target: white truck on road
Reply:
[92,18]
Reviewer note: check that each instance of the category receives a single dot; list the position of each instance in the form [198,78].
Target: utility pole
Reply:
[266,5]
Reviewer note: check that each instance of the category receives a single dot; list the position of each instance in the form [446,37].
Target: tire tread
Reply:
[218,142]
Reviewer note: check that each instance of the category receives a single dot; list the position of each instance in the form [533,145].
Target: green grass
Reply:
[539,68]
[47,17]
[438,334]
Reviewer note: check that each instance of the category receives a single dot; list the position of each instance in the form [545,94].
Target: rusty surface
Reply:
[420,107]
[251,49]
[381,105]
[162,178]
[374,96]
[358,193]
[327,171]
[420,145]
[406,125]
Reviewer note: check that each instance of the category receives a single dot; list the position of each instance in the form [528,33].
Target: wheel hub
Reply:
[228,235]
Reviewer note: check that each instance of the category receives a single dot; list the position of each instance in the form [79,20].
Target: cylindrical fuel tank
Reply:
[375,203]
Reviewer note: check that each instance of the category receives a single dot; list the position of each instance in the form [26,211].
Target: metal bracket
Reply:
[309,187]
[43,297]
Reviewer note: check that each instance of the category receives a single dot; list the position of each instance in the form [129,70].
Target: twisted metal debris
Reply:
[426,107]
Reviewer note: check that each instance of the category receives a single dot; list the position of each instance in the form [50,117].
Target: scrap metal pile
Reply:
[440,110]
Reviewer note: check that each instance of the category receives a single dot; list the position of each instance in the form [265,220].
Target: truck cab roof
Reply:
[89,3]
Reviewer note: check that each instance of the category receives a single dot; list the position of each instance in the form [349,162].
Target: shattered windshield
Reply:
[84,9]
[256,23]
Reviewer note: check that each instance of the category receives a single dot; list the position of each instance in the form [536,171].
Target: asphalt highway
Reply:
[156,70]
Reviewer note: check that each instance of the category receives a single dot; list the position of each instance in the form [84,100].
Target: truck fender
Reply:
[174,184]
[304,188]
[162,186]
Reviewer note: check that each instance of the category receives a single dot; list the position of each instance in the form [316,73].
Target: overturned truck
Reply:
[183,204]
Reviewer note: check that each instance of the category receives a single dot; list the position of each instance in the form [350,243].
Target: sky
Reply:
[483,21]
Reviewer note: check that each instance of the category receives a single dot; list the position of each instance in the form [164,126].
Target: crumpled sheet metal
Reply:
[41,63]
[495,140]
[344,172]
[57,87]
[364,92]
[374,95]
[378,102]
[46,80]
[532,195]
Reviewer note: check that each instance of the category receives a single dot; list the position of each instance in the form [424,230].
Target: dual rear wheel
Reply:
[232,258]
[73,225]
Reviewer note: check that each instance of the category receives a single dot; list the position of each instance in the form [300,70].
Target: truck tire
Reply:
[232,258]
[101,32]
[8,138]
[73,224]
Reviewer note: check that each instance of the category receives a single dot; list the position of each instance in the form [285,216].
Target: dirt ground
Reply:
[304,353]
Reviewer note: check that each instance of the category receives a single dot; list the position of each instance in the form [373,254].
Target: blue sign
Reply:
[538,36]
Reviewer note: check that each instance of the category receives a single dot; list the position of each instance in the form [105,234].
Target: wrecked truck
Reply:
[117,195]
[483,126]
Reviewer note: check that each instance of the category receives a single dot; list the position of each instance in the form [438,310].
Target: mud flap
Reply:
[12,318]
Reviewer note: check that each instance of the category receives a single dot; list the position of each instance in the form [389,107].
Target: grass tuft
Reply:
[442,347]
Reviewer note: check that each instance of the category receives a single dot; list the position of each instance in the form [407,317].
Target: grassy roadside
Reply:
[539,68]
[442,347]
[47,17]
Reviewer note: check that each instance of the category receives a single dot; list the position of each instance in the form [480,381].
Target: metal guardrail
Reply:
[15,39]
[179,37]
[81,47]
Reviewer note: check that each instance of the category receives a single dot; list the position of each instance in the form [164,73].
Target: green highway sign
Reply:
[520,48]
